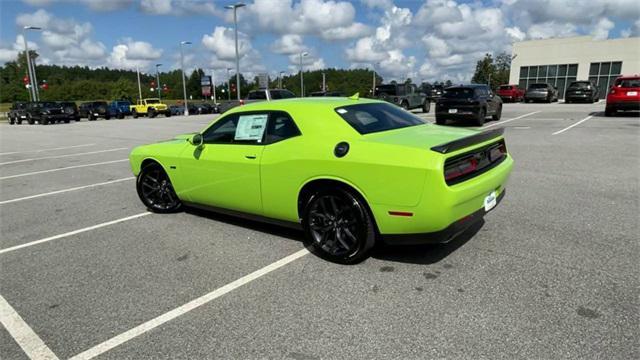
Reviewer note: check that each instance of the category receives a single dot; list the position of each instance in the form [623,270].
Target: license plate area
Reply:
[490,201]
[632,93]
[453,111]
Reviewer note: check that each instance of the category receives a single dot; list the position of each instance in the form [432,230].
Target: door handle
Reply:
[250,156]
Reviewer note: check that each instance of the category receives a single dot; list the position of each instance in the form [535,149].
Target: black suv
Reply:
[17,113]
[46,112]
[71,109]
[468,102]
[581,91]
[94,109]
[405,95]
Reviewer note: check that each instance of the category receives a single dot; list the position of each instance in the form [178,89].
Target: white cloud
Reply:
[551,29]
[288,44]
[179,7]
[96,5]
[222,43]
[130,54]
[602,28]
[347,32]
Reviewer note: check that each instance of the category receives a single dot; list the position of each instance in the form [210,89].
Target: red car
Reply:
[510,93]
[624,95]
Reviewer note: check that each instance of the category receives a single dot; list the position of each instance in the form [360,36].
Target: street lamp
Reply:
[235,23]
[158,80]
[280,80]
[31,69]
[228,84]
[302,54]
[373,89]
[184,85]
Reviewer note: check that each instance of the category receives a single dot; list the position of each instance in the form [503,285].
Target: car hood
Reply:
[422,136]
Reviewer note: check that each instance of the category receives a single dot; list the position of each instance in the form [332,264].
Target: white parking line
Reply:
[63,156]
[181,310]
[508,120]
[41,150]
[65,190]
[569,127]
[70,233]
[22,333]
[60,169]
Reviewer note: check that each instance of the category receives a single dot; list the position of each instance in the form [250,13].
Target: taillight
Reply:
[613,91]
[461,168]
[241,102]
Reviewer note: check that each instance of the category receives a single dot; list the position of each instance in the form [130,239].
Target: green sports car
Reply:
[348,171]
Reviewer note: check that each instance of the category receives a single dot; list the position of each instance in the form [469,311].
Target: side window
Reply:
[281,127]
[247,129]
[257,95]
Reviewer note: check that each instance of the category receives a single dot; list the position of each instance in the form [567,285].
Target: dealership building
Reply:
[561,61]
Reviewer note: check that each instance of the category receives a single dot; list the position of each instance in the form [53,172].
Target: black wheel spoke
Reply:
[341,239]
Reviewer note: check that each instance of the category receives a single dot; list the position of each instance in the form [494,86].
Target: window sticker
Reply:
[251,127]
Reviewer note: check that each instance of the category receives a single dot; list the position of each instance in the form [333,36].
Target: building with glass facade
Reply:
[561,61]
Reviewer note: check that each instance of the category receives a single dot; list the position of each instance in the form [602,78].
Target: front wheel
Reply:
[155,190]
[426,106]
[405,105]
[167,113]
[338,226]
[11,120]
[482,114]
[135,114]
[498,114]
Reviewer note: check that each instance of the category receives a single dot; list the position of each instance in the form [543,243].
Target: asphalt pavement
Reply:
[551,273]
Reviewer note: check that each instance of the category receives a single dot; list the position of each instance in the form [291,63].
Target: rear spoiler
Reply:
[468,141]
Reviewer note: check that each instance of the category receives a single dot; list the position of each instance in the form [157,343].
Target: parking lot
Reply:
[86,272]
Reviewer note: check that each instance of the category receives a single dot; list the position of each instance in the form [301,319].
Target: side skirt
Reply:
[244,215]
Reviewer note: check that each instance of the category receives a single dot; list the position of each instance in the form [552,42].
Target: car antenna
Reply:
[355,96]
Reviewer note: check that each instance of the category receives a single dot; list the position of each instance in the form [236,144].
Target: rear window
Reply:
[386,89]
[628,83]
[282,94]
[257,95]
[505,87]
[538,86]
[371,118]
[458,93]
[579,85]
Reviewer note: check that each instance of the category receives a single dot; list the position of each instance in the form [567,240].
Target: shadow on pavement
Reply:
[425,254]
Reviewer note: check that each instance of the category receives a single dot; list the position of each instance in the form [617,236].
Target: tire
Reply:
[405,105]
[11,120]
[167,113]
[608,111]
[134,113]
[156,191]
[498,114]
[19,121]
[77,118]
[482,114]
[90,117]
[426,107]
[120,116]
[338,226]
[151,113]
[30,120]
[107,117]
[67,121]
[440,120]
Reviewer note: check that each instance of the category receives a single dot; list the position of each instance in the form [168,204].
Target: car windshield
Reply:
[386,89]
[370,118]
[538,86]
[628,83]
[579,85]
[458,93]
[505,87]
[153,101]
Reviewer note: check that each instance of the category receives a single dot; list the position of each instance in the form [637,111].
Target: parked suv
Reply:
[404,95]
[70,109]
[46,112]
[17,113]
[120,108]
[541,92]
[583,91]
[94,110]
[624,95]
[510,93]
[468,102]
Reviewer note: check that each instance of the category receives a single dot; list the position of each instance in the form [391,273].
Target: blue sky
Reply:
[426,40]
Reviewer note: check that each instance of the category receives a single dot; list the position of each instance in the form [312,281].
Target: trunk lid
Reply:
[421,136]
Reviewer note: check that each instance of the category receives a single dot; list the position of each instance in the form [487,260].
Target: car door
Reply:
[225,170]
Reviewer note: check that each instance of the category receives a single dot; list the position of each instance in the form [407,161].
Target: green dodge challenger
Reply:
[348,171]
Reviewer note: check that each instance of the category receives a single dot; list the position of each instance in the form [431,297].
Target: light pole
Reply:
[158,80]
[213,84]
[324,88]
[280,80]
[302,54]
[373,89]
[33,91]
[228,84]
[139,86]
[184,85]
[235,23]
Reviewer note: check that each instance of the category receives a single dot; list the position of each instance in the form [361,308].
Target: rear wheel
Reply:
[11,120]
[151,113]
[167,113]
[405,105]
[426,106]
[30,120]
[155,190]
[338,226]
[134,113]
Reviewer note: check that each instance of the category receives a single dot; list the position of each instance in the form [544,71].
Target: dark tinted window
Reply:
[579,85]
[370,118]
[282,94]
[257,95]
[280,127]
[386,89]
[458,93]
[505,87]
[538,86]
[628,83]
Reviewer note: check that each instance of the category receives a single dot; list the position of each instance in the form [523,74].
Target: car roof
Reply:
[322,101]
[625,77]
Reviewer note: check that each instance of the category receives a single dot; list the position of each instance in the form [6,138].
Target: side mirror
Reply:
[196,140]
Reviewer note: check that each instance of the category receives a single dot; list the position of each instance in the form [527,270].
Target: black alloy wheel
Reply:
[482,114]
[405,105]
[338,226]
[498,114]
[155,190]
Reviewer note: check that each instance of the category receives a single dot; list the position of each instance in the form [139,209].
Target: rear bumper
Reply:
[442,236]
[536,96]
[624,105]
